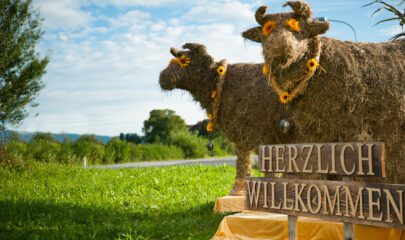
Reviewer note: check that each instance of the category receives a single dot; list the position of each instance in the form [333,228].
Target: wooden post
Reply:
[347,226]
[292,220]
[292,227]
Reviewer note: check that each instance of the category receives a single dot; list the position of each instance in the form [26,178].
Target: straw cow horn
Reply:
[300,8]
[174,51]
[260,13]
[195,47]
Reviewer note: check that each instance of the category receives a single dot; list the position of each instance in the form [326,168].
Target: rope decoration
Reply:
[216,94]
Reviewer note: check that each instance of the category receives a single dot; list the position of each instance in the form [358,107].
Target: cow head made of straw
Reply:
[186,68]
[286,37]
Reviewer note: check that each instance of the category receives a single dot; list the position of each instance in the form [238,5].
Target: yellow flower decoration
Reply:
[221,70]
[268,27]
[183,61]
[312,64]
[265,69]
[293,24]
[213,94]
[209,116]
[210,127]
[285,97]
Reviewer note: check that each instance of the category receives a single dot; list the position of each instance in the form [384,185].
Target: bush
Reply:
[15,152]
[91,148]
[157,151]
[43,148]
[116,151]
[192,145]
[223,147]
[67,152]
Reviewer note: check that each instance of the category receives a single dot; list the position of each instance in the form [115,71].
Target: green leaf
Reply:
[376,11]
[399,35]
[386,20]
[368,4]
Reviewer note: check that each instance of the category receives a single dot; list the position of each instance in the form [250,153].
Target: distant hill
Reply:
[26,136]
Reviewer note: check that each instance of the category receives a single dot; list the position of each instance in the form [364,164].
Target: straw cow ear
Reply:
[196,48]
[174,52]
[317,27]
[301,9]
[253,34]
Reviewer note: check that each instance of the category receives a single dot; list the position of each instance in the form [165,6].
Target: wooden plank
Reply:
[345,159]
[357,202]
[348,226]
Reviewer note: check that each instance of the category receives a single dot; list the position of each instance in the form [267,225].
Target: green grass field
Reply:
[53,201]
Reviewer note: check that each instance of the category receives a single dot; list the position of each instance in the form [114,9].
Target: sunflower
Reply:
[183,61]
[293,24]
[285,97]
[312,64]
[210,127]
[265,70]
[213,94]
[221,70]
[268,27]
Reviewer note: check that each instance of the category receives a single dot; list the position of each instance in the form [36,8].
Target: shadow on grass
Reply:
[47,220]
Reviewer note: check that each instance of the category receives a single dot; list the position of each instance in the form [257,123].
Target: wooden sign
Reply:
[357,202]
[347,159]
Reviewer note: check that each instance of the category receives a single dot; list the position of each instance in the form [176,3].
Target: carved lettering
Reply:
[368,159]
[373,203]
[342,159]
[310,148]
[292,159]
[298,198]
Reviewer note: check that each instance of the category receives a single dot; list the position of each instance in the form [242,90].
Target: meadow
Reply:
[59,201]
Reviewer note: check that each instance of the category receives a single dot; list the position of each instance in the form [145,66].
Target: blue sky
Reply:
[106,55]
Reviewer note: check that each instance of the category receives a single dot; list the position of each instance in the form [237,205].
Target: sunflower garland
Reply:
[312,64]
[213,94]
[268,27]
[221,70]
[216,96]
[265,70]
[293,24]
[183,61]
[285,97]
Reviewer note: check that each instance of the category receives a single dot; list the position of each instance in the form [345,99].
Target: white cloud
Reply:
[230,11]
[390,31]
[109,84]
[62,14]
[128,3]
[134,19]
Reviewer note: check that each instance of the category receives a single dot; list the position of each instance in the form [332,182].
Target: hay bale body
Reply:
[361,96]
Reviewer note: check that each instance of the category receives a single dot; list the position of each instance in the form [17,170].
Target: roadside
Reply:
[231,161]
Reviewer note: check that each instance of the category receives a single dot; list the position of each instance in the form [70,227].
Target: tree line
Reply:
[166,136]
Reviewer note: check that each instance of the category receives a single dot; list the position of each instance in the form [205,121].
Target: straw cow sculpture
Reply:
[325,89]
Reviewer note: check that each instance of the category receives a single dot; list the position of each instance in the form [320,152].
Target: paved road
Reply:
[203,161]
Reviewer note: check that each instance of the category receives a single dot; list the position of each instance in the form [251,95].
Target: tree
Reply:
[21,67]
[399,15]
[133,138]
[160,123]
